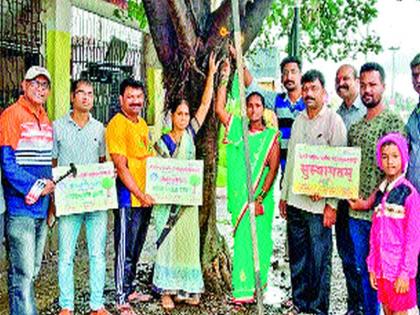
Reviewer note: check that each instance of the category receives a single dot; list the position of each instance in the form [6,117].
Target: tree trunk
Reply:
[184,33]
[215,257]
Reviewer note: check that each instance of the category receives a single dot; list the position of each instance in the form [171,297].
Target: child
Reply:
[395,233]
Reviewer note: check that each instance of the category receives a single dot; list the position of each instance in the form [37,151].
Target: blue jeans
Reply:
[310,249]
[1,235]
[68,232]
[346,252]
[25,241]
[360,231]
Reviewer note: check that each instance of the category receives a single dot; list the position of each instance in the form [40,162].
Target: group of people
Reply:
[31,146]
[377,235]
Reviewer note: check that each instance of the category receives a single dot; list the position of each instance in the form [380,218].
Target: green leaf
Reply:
[330,29]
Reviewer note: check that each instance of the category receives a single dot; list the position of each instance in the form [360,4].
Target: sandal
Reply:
[125,309]
[137,297]
[293,311]
[167,302]
[242,301]
[195,301]
[178,299]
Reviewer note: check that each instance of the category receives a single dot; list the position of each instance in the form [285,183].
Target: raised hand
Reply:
[225,71]
[213,64]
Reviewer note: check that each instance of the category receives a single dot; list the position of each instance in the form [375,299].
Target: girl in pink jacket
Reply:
[395,232]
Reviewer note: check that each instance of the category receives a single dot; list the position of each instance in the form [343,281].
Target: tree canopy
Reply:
[330,29]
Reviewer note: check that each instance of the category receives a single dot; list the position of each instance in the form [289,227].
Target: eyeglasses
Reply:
[37,84]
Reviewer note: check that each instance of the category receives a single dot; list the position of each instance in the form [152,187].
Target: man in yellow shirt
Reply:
[127,139]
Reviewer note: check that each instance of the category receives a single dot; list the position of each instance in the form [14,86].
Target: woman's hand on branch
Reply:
[232,52]
[213,64]
[225,71]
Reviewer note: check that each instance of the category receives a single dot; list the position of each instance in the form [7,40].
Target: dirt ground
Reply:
[278,287]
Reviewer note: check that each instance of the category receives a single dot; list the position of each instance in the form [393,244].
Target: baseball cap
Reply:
[35,71]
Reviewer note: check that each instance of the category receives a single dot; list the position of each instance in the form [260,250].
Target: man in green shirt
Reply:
[377,122]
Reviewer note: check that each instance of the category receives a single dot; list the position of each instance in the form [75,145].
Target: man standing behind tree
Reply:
[413,133]
[127,138]
[310,218]
[377,122]
[286,105]
[79,139]
[26,142]
[351,111]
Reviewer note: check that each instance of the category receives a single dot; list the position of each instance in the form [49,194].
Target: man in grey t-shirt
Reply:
[351,111]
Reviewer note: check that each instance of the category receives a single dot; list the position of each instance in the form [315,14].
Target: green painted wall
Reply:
[58,64]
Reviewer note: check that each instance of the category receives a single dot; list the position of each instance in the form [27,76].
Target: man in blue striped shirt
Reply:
[286,105]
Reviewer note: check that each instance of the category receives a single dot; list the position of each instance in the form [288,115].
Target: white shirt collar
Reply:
[321,112]
[389,186]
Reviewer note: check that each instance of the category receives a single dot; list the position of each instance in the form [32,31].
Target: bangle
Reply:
[263,193]
[224,82]
[223,77]
[261,196]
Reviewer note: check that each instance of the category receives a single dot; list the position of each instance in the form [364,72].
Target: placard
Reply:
[327,171]
[92,189]
[173,181]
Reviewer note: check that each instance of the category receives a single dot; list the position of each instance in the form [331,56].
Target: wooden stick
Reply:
[251,204]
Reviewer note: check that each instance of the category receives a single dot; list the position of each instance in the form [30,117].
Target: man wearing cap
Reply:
[25,155]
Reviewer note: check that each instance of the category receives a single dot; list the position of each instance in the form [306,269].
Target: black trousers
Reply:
[345,250]
[130,229]
[310,250]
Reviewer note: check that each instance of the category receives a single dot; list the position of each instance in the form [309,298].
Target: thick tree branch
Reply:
[255,13]
[219,18]
[162,31]
[184,27]
[200,9]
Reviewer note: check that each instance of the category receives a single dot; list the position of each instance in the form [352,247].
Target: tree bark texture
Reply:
[184,32]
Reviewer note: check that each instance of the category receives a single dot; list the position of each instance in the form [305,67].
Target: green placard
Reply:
[173,181]
[92,189]
[327,171]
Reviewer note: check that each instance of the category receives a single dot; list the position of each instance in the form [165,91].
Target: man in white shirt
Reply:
[310,218]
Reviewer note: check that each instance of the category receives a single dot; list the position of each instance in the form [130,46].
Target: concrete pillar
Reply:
[155,92]
[58,55]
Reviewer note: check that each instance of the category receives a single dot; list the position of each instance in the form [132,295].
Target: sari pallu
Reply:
[177,268]
[260,145]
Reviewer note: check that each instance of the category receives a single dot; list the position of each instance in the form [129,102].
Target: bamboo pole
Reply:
[251,204]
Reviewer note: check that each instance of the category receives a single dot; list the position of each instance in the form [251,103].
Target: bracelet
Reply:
[261,196]
[224,82]
[223,77]
[263,193]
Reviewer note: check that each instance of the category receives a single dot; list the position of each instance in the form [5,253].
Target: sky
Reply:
[398,26]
